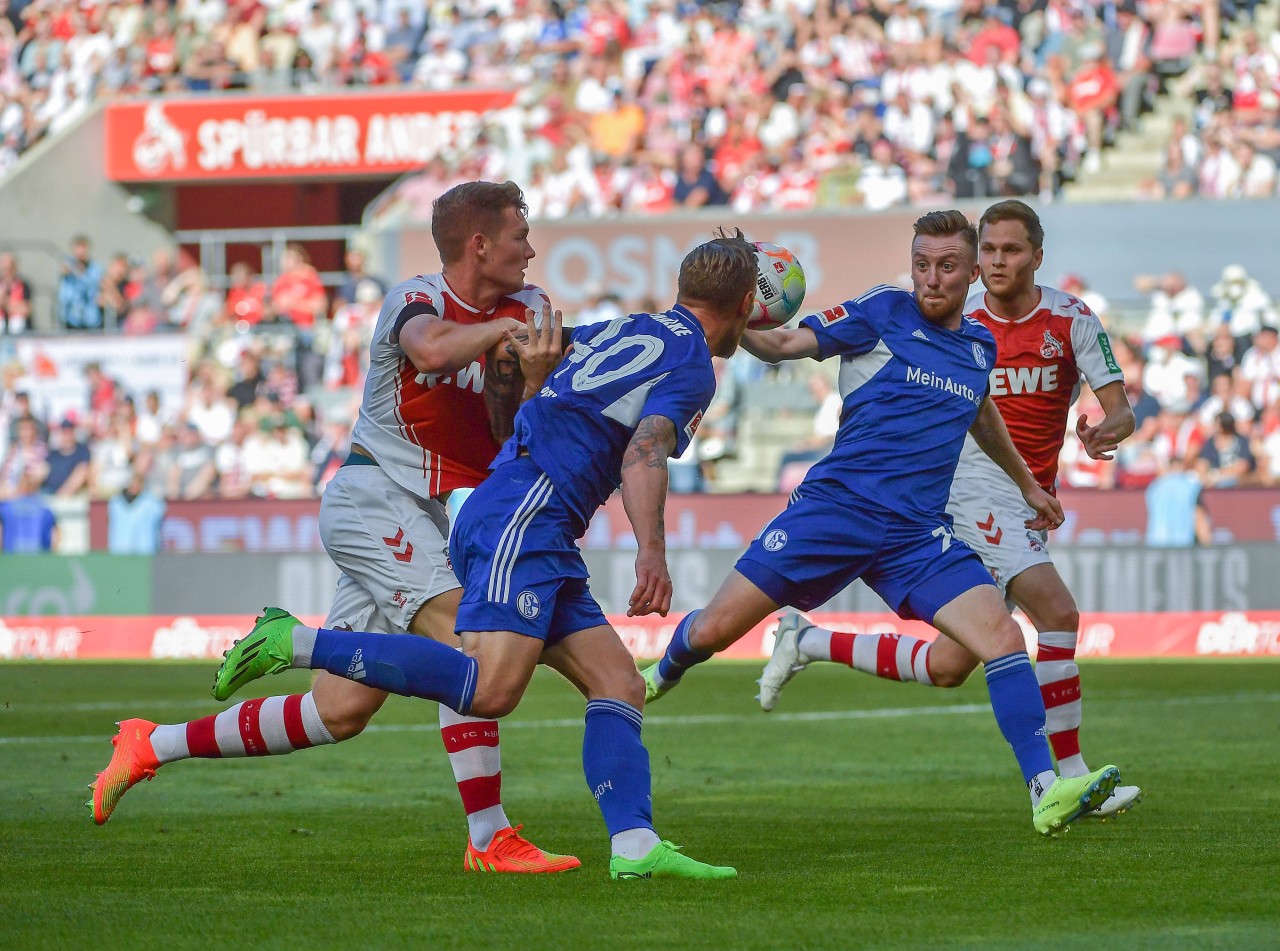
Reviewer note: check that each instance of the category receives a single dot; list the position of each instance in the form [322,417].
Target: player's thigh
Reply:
[735,609]
[506,661]
[598,664]
[436,618]
[813,549]
[390,542]
[1045,598]
[989,515]
[977,620]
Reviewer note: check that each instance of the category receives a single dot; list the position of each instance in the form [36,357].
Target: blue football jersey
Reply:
[578,426]
[911,390]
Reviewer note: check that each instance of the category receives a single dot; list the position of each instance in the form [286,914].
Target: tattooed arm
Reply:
[644,496]
[503,386]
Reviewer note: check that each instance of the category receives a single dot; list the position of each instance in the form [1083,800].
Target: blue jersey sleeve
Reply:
[682,397]
[852,328]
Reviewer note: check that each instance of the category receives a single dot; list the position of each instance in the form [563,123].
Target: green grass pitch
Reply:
[861,814]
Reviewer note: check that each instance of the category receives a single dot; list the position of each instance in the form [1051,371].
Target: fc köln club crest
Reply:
[1052,346]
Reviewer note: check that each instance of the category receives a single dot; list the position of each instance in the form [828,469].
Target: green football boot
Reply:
[665,861]
[654,688]
[1070,798]
[267,650]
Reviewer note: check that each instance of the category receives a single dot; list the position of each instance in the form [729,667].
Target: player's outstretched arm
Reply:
[644,496]
[442,346]
[993,438]
[774,346]
[1117,424]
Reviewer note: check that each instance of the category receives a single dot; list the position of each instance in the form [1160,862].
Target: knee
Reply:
[343,721]
[493,702]
[629,688]
[709,634]
[1008,638]
[948,677]
[1063,615]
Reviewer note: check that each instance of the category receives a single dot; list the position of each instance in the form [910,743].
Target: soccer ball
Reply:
[780,287]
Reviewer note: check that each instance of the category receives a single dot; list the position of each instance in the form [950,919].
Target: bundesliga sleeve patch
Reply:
[1105,343]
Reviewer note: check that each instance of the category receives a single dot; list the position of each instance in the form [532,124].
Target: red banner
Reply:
[253,137]
[205,637]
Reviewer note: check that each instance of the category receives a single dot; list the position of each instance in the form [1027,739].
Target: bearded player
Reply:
[433,415]
[1047,341]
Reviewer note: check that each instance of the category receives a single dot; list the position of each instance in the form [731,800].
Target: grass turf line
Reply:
[884,832]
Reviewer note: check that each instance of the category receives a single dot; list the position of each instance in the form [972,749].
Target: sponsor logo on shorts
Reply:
[1034,542]
[775,540]
[979,357]
[399,599]
[528,605]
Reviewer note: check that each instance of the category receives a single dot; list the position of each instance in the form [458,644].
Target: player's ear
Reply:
[747,304]
[1037,259]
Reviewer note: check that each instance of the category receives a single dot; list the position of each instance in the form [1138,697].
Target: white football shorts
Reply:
[392,549]
[990,514]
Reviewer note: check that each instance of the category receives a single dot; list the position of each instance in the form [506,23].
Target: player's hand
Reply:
[1048,510]
[538,347]
[652,594]
[1098,443]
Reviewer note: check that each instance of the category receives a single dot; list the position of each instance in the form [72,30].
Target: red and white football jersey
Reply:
[1040,360]
[429,431]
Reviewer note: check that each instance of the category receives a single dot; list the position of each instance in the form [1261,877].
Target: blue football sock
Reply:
[399,663]
[616,765]
[1019,710]
[680,656]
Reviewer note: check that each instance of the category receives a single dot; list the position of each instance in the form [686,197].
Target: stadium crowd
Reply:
[1229,143]
[645,105]
[277,373]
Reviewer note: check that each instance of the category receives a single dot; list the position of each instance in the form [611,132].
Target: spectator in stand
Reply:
[297,295]
[210,410]
[1077,286]
[103,394]
[25,459]
[113,293]
[355,276]
[1176,516]
[881,181]
[1177,180]
[67,464]
[151,420]
[696,186]
[1167,372]
[1177,308]
[249,382]
[27,524]
[193,472]
[1222,398]
[134,517]
[20,410]
[348,357]
[1225,460]
[1240,302]
[1128,41]
[15,296]
[1224,352]
[78,289]
[795,462]
[1260,368]
[1257,173]
[235,481]
[1093,93]
[111,460]
[279,460]
[246,295]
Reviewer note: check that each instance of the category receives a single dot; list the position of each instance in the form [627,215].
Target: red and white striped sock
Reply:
[269,726]
[892,656]
[1059,679]
[476,758]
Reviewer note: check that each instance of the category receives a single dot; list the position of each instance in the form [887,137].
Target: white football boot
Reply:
[1122,799]
[787,660]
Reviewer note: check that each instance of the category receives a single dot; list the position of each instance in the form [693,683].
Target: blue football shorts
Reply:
[513,549]
[826,538]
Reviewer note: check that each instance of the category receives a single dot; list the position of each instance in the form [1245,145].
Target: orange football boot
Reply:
[133,761]
[512,853]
